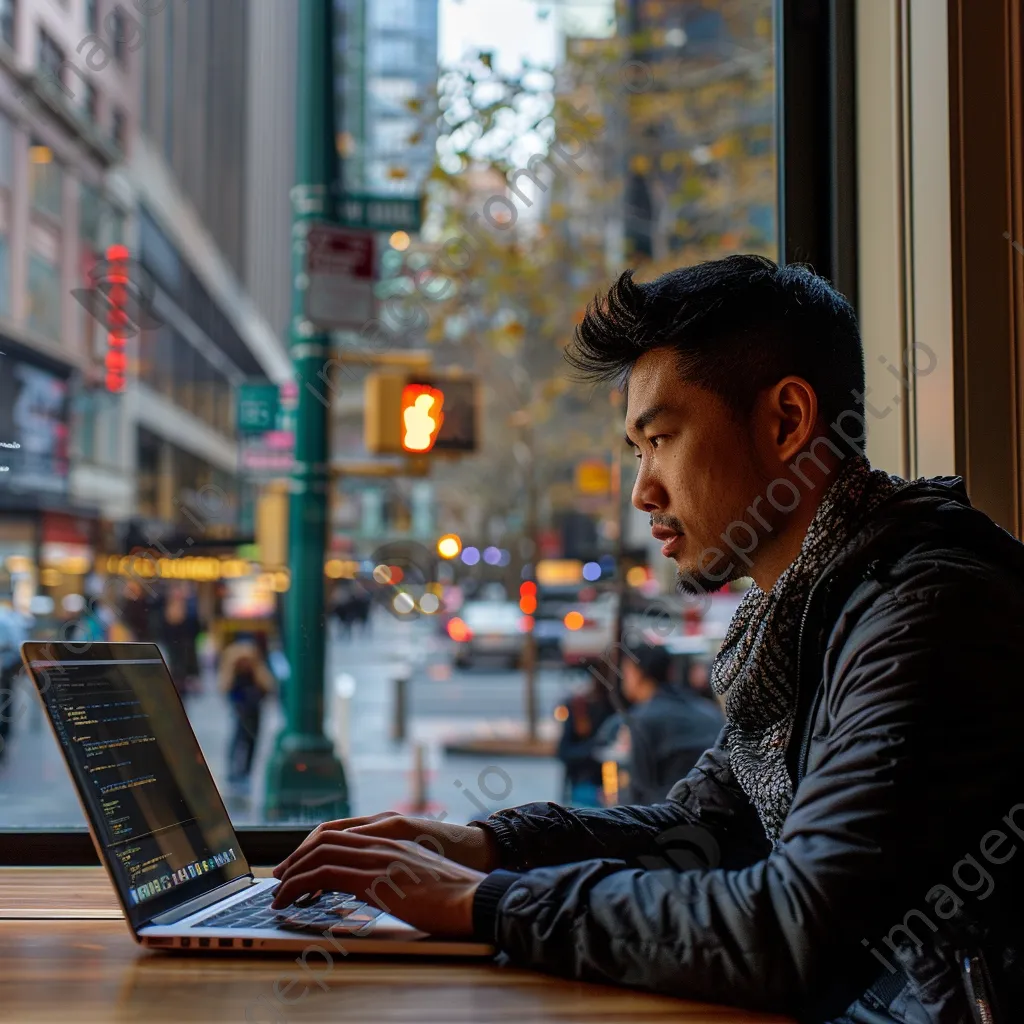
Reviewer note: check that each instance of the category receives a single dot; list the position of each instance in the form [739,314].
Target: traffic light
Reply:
[421,411]
[422,416]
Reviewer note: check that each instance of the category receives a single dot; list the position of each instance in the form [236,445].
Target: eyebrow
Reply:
[645,419]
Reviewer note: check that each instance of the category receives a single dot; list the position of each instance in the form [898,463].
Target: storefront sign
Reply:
[34,411]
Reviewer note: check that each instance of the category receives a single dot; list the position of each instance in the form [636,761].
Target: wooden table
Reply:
[67,955]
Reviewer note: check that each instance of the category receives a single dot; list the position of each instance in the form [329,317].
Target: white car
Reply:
[590,631]
[488,628]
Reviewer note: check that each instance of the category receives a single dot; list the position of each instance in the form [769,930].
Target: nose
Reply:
[648,494]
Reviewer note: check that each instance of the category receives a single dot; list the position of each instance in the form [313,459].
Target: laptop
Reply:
[160,826]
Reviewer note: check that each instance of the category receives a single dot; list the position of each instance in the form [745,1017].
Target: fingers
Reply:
[340,851]
[332,877]
[341,824]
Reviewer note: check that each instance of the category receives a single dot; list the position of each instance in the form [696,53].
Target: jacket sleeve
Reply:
[706,818]
[874,802]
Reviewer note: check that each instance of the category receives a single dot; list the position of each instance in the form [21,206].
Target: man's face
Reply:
[697,474]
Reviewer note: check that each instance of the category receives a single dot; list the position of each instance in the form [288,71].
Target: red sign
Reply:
[339,276]
[119,325]
[61,528]
[334,250]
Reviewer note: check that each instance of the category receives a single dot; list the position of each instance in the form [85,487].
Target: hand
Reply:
[421,887]
[465,844]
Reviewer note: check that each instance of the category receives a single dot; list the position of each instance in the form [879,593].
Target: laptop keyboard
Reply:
[336,910]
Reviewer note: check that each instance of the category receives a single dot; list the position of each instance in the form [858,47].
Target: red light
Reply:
[421,416]
[396,575]
[458,630]
[117,252]
[528,604]
[529,588]
[526,624]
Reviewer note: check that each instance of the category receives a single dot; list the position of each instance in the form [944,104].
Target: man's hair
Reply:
[653,662]
[738,325]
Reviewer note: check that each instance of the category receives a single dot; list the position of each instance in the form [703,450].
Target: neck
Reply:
[779,550]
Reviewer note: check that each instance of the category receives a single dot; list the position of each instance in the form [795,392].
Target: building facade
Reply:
[68,82]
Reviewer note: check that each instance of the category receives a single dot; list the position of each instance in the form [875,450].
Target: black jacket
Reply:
[906,821]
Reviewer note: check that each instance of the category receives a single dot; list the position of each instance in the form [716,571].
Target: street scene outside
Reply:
[283,307]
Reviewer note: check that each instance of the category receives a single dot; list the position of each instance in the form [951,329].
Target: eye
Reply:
[654,441]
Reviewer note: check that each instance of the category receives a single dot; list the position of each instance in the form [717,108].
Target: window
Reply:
[8,8]
[118,130]
[50,57]
[697,150]
[97,426]
[119,36]
[6,169]
[6,151]
[184,359]
[92,15]
[45,181]
[44,290]
[394,54]
[395,13]
[90,102]
[5,273]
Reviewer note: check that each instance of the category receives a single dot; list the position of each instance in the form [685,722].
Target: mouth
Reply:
[673,541]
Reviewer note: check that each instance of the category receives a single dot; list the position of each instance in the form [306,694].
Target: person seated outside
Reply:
[669,726]
[586,712]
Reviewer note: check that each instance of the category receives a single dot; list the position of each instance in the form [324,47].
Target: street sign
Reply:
[339,272]
[593,477]
[267,456]
[257,407]
[380,213]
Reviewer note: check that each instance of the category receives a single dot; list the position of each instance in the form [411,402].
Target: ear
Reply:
[792,408]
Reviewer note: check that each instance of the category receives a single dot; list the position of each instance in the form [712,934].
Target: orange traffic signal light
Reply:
[422,416]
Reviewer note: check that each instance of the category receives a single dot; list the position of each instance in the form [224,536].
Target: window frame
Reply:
[817,224]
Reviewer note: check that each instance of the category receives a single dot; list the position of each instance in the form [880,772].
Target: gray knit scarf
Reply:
[756,667]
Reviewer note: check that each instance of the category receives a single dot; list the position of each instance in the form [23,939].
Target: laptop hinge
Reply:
[213,896]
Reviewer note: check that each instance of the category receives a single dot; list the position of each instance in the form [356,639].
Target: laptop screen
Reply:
[152,803]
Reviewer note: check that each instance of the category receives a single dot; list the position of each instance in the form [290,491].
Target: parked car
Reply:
[487,628]
[590,631]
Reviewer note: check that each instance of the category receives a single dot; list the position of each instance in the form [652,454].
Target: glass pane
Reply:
[6,150]
[511,167]
[44,295]
[5,275]
[45,180]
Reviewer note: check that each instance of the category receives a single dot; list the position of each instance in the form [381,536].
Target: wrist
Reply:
[490,852]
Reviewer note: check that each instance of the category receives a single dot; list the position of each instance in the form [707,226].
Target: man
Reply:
[845,834]
[669,726]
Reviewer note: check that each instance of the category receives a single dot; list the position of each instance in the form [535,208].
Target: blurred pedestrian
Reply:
[14,631]
[80,622]
[363,606]
[343,605]
[181,630]
[669,726]
[247,681]
[585,712]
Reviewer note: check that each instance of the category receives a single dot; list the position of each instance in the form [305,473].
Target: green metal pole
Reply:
[305,780]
